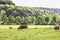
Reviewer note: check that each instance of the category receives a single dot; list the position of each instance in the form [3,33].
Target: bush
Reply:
[10,28]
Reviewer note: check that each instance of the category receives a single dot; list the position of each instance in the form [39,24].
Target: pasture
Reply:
[34,32]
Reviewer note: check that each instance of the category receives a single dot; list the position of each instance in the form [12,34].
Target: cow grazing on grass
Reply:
[23,26]
[57,27]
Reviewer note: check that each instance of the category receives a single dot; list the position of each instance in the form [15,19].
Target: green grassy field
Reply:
[45,32]
[29,26]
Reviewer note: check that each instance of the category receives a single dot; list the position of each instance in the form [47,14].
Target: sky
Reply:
[38,3]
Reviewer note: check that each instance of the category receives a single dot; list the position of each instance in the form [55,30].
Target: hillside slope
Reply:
[12,14]
[54,10]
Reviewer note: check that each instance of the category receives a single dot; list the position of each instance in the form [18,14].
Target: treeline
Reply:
[29,20]
[12,14]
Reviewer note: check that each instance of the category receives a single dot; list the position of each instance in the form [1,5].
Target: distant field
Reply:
[29,26]
[45,32]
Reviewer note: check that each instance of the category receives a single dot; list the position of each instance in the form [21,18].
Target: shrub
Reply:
[10,28]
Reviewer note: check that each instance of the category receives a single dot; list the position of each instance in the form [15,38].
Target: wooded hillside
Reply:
[12,14]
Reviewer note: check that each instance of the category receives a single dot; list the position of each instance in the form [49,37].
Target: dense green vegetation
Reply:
[6,2]
[29,34]
[12,14]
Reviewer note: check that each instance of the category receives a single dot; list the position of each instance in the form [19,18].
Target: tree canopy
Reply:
[12,14]
[6,2]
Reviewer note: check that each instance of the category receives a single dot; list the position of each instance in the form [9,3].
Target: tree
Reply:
[29,19]
[18,19]
[1,20]
[26,19]
[2,12]
[6,2]
[12,19]
[33,19]
[39,20]
[5,20]
[55,19]
[47,19]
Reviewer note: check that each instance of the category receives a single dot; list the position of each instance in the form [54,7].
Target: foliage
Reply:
[12,19]
[6,2]
[55,19]
[12,14]
[18,19]
[10,28]
[39,20]
[47,19]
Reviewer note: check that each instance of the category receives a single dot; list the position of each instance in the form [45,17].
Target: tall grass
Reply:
[29,34]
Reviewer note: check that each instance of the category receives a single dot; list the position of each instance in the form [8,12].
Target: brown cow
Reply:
[57,27]
[23,26]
